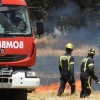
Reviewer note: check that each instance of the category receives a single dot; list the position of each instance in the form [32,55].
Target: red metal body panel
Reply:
[29,43]
[14,2]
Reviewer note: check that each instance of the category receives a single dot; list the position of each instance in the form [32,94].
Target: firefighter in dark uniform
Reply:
[66,68]
[87,73]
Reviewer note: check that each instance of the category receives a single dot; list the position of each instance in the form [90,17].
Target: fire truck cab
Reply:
[17,49]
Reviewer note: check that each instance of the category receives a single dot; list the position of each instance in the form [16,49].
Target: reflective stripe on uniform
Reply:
[71,63]
[91,64]
[85,61]
[65,58]
[87,87]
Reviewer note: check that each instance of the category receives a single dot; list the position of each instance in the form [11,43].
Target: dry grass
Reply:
[45,47]
[77,52]
[49,92]
[51,95]
[55,46]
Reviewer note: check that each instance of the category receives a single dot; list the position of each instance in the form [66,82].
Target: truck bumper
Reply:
[18,80]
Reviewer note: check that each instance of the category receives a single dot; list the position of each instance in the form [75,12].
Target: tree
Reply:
[55,12]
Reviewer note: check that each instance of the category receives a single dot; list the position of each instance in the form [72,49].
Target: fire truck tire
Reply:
[20,94]
[13,94]
[3,95]
[7,94]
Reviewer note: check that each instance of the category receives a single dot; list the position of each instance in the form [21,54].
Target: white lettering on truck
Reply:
[12,44]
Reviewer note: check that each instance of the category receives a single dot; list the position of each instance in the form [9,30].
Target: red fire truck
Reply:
[17,49]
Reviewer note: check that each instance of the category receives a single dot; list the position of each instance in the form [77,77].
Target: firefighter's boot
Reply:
[60,93]
[73,89]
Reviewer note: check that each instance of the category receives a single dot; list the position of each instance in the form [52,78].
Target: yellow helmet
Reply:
[91,51]
[69,45]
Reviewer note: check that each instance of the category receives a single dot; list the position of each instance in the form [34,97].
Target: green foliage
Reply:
[89,10]
[45,5]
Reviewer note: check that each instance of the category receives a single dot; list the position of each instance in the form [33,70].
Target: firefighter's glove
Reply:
[95,78]
[99,82]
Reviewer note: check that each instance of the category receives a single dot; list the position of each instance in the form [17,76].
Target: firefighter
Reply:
[66,68]
[87,71]
[19,23]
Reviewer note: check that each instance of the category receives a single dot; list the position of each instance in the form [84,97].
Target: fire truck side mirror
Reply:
[38,14]
[40,28]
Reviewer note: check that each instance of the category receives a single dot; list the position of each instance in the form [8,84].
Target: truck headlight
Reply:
[30,74]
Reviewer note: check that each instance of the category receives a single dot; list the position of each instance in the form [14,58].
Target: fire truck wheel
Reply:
[3,94]
[20,94]
[13,94]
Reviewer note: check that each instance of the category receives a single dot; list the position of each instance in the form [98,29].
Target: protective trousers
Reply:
[63,84]
[85,85]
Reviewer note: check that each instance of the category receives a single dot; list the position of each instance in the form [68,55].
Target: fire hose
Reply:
[90,85]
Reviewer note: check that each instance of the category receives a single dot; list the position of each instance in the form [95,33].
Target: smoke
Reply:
[72,23]
[67,24]
[63,16]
